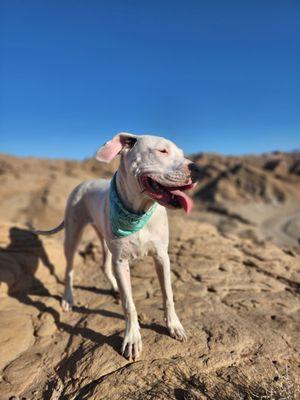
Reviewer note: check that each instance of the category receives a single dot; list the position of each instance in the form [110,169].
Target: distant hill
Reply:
[269,178]
[35,190]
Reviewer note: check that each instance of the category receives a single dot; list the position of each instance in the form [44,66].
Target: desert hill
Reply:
[270,178]
[239,194]
[236,280]
[252,196]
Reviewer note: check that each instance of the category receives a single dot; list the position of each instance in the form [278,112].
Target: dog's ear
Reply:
[111,149]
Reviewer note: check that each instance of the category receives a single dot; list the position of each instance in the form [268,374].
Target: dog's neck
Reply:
[130,192]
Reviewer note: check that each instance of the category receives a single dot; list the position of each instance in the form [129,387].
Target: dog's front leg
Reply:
[132,342]
[162,265]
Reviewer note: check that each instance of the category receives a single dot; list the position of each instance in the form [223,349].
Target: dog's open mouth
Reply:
[168,196]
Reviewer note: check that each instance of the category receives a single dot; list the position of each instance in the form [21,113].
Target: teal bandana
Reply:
[124,222]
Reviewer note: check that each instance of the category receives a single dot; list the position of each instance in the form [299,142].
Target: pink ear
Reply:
[111,149]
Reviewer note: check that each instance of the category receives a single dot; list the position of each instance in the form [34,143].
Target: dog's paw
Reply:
[132,344]
[176,329]
[67,305]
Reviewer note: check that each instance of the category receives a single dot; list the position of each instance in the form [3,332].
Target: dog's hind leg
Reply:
[107,268]
[107,264]
[73,231]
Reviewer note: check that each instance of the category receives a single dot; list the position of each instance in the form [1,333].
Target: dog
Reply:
[130,218]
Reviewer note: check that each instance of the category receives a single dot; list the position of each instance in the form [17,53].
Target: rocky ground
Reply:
[236,283]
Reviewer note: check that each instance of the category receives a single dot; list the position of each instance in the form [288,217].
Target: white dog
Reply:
[129,216]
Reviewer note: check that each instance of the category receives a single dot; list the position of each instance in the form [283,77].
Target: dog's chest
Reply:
[137,246]
[148,241]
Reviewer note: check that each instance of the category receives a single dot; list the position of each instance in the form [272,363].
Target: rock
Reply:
[237,295]
[25,262]
[47,327]
[16,335]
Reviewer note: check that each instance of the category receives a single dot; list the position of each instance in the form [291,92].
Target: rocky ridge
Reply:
[237,296]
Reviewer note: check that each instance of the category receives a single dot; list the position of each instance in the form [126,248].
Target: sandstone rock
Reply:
[16,335]
[47,327]
[236,295]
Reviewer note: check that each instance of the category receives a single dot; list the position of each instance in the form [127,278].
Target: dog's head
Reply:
[158,166]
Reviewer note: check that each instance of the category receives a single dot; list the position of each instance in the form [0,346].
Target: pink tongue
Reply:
[186,201]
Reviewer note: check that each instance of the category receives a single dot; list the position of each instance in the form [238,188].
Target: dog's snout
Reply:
[195,171]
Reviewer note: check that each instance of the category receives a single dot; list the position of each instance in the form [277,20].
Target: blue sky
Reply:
[218,76]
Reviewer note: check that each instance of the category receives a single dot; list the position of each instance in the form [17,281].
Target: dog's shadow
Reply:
[26,249]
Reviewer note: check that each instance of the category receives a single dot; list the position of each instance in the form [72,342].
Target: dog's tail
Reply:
[51,231]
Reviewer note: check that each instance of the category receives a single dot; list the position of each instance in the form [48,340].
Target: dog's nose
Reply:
[196,172]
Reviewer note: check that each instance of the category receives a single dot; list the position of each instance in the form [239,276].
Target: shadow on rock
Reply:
[26,251]
[20,260]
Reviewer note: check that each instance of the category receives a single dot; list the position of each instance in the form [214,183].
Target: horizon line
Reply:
[194,154]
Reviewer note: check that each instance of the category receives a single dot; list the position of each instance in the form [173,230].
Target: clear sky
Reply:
[221,76]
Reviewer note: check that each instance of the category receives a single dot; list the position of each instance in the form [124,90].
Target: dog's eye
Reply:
[165,151]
